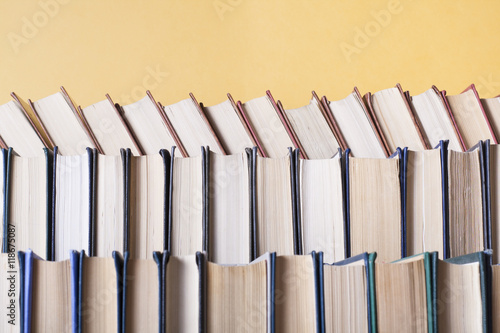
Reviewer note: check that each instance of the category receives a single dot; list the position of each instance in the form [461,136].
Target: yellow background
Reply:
[245,47]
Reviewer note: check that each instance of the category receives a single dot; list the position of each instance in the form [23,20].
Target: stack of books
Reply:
[267,218]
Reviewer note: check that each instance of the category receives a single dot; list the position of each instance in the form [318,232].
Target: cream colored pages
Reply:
[491,107]
[459,298]
[401,297]
[268,126]
[108,128]
[229,220]
[72,219]
[436,122]
[424,202]
[346,303]
[356,128]
[321,208]
[28,203]
[274,206]
[187,206]
[148,126]
[395,121]
[182,294]
[109,207]
[62,125]
[99,312]
[313,131]
[375,207]
[190,126]
[16,131]
[10,290]
[465,203]
[142,305]
[51,302]
[237,298]
[147,191]
[495,201]
[227,124]
[469,118]
[295,309]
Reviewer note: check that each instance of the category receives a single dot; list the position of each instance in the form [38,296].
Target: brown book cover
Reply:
[250,127]
[473,88]
[330,120]
[373,120]
[24,107]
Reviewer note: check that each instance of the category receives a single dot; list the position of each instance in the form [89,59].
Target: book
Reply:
[150,126]
[59,119]
[229,125]
[109,128]
[50,294]
[73,203]
[470,117]
[437,121]
[467,226]
[109,196]
[404,294]
[17,130]
[347,292]
[356,126]
[426,205]
[188,212]
[321,196]
[395,120]
[241,297]
[297,294]
[27,202]
[495,295]
[375,193]
[494,177]
[100,293]
[275,204]
[229,222]
[491,107]
[270,133]
[315,138]
[192,127]
[463,293]
[147,184]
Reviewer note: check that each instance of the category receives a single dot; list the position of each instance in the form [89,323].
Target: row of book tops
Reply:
[301,293]
[237,207]
[372,126]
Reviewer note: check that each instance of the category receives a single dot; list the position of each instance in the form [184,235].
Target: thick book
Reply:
[321,217]
[314,135]
[275,205]
[464,293]
[27,202]
[230,126]
[188,213]
[376,192]
[395,120]
[491,107]
[108,125]
[192,126]
[50,293]
[405,294]
[472,123]
[146,203]
[270,132]
[297,303]
[17,130]
[61,124]
[229,221]
[242,297]
[426,201]
[345,295]
[493,178]
[73,203]
[356,126]
[438,123]
[150,126]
